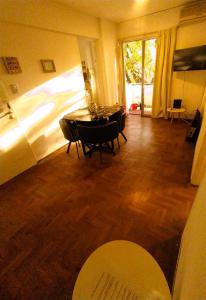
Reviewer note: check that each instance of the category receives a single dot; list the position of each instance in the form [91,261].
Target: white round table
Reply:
[176,111]
[121,270]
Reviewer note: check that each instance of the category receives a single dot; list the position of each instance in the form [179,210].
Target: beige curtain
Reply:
[120,70]
[163,75]
[199,161]
[190,281]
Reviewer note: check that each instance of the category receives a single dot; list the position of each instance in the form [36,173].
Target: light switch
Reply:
[14,88]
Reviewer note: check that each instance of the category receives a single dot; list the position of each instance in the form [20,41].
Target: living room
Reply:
[153,169]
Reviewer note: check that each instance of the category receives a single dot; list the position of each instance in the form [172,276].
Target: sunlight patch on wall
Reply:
[139,3]
[36,116]
[55,124]
[12,136]
[77,97]
[39,111]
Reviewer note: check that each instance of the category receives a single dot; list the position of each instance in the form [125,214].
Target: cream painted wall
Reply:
[34,30]
[18,155]
[32,44]
[43,98]
[149,24]
[107,48]
[188,86]
[50,15]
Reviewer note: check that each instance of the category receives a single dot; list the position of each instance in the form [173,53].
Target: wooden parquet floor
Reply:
[53,216]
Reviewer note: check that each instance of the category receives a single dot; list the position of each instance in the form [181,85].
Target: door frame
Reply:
[143,38]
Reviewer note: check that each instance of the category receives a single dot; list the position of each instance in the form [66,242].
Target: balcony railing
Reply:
[134,94]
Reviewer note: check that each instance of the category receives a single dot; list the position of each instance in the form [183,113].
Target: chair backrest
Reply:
[123,118]
[98,134]
[93,123]
[69,130]
[177,103]
[116,117]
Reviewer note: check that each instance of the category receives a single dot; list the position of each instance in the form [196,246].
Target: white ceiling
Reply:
[121,10]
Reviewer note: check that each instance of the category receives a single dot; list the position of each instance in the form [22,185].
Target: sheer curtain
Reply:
[199,161]
[163,74]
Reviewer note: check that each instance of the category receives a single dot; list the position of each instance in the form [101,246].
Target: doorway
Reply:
[88,60]
[139,71]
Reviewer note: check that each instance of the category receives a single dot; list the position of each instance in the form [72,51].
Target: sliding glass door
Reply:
[139,70]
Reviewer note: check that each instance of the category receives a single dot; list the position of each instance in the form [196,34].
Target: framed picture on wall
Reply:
[12,64]
[48,65]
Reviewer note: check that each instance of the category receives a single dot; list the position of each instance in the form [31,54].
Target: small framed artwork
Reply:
[48,65]
[12,64]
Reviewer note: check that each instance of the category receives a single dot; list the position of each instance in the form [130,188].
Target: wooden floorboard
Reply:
[54,215]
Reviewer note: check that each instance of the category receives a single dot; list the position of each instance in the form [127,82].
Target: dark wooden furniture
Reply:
[119,117]
[102,112]
[70,133]
[94,137]
[102,115]
[122,127]
[93,123]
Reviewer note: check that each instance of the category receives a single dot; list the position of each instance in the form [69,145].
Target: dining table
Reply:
[86,115]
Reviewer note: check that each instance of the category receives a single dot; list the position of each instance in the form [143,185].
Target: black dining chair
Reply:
[95,137]
[70,133]
[92,123]
[119,117]
[116,117]
[122,127]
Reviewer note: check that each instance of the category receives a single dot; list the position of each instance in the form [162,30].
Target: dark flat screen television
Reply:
[190,59]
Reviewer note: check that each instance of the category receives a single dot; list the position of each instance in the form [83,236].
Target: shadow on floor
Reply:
[166,254]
